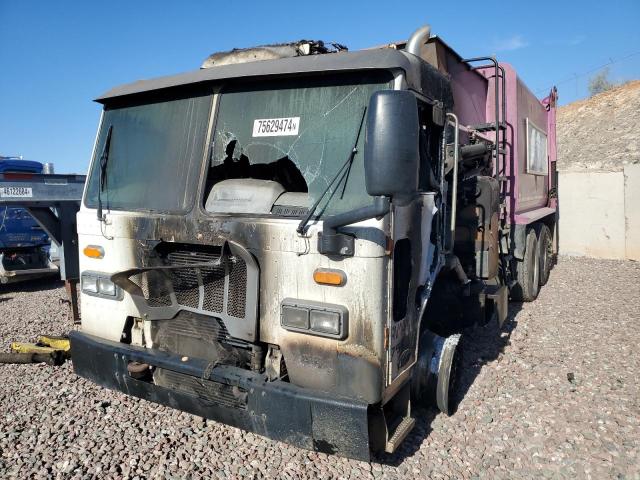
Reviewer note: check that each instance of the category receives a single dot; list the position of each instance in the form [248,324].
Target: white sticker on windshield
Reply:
[276,127]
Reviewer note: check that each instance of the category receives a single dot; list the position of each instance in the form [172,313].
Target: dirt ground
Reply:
[601,132]
[554,394]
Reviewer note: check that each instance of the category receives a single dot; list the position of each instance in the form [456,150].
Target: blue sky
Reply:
[55,57]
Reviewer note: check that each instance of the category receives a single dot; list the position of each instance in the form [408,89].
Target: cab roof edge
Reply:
[271,52]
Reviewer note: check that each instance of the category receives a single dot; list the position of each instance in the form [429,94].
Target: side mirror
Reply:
[391,148]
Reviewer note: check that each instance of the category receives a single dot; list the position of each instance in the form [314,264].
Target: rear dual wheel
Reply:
[528,271]
[546,252]
[534,269]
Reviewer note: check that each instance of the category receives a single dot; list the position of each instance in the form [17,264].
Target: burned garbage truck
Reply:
[292,238]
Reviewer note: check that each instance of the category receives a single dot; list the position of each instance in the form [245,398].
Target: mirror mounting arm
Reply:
[332,242]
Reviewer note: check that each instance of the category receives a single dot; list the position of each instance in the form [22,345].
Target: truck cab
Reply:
[263,241]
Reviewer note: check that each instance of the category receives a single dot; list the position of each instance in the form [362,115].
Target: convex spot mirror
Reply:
[391,149]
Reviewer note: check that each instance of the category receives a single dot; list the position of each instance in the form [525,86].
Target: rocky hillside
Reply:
[601,132]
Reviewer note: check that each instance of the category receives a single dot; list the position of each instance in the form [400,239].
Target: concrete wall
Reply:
[600,213]
[632,210]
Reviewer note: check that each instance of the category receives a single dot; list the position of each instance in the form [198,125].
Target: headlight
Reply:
[325,322]
[89,284]
[99,284]
[106,287]
[314,318]
[295,317]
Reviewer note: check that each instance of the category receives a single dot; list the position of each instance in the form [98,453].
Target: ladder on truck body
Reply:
[499,126]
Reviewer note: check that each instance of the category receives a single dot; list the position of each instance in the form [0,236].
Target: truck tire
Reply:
[448,372]
[528,271]
[435,374]
[546,252]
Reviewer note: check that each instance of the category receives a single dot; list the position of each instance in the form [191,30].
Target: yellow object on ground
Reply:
[24,347]
[45,344]
[59,343]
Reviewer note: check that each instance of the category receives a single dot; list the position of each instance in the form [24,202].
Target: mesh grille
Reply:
[189,284]
[154,288]
[186,285]
[237,287]
[213,280]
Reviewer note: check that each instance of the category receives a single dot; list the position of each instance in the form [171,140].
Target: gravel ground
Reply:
[554,394]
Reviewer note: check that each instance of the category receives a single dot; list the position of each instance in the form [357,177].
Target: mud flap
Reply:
[496,303]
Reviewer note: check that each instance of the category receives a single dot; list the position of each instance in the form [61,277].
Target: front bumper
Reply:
[308,419]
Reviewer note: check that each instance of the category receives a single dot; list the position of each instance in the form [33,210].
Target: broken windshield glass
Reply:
[296,132]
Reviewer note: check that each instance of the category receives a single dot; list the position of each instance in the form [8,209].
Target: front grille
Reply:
[220,289]
[190,257]
[154,287]
[213,280]
[187,287]
[214,392]
[237,287]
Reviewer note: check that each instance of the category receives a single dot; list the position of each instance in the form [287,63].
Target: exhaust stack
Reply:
[417,41]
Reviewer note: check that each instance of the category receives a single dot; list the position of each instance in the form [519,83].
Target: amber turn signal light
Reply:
[93,251]
[326,276]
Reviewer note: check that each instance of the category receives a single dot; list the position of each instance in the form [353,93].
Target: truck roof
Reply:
[375,59]
[17,165]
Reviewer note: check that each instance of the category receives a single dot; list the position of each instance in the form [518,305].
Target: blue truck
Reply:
[24,245]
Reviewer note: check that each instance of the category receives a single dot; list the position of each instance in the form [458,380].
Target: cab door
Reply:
[414,251]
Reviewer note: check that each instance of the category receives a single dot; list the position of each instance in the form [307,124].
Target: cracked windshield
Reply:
[294,135]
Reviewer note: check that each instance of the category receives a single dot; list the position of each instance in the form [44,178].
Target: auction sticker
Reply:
[16,192]
[276,127]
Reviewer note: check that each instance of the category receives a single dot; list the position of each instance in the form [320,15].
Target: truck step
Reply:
[400,433]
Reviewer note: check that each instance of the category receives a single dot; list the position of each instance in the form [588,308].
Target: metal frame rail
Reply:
[53,200]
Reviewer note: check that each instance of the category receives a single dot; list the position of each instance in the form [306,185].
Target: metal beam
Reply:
[18,189]
[53,200]
[48,220]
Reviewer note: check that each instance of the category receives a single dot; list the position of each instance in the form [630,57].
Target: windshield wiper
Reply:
[104,159]
[340,174]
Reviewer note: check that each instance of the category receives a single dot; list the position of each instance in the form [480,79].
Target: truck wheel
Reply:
[423,379]
[448,374]
[528,271]
[546,253]
[435,375]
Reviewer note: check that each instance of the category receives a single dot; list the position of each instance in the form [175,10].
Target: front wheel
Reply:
[436,372]
[448,374]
